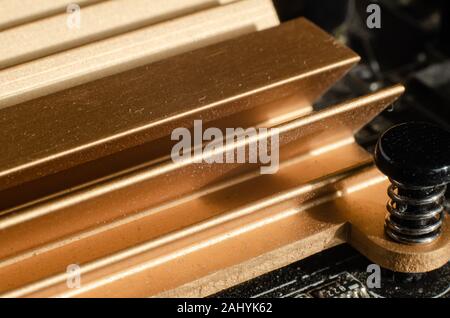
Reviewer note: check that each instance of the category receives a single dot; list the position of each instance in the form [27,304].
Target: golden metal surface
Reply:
[92,61]
[104,19]
[366,215]
[65,129]
[200,203]
[93,184]
[354,213]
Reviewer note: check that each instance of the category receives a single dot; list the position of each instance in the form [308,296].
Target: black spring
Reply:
[415,213]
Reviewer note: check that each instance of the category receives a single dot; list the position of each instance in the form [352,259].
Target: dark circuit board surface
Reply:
[341,272]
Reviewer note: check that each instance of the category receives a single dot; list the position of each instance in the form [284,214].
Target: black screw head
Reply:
[415,153]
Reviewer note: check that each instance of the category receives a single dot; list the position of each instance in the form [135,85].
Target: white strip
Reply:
[15,12]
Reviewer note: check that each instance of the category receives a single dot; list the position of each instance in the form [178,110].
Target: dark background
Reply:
[411,47]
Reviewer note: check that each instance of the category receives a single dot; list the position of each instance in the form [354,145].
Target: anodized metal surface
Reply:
[107,18]
[116,54]
[198,222]
[71,127]
[154,227]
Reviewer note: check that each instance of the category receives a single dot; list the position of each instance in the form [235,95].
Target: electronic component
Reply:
[416,157]
[341,272]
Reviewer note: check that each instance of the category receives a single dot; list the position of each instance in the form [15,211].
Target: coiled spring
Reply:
[415,213]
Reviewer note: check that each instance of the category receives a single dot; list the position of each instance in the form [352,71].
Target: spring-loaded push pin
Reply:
[416,158]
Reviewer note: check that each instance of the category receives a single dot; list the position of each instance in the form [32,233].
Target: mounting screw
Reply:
[416,158]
